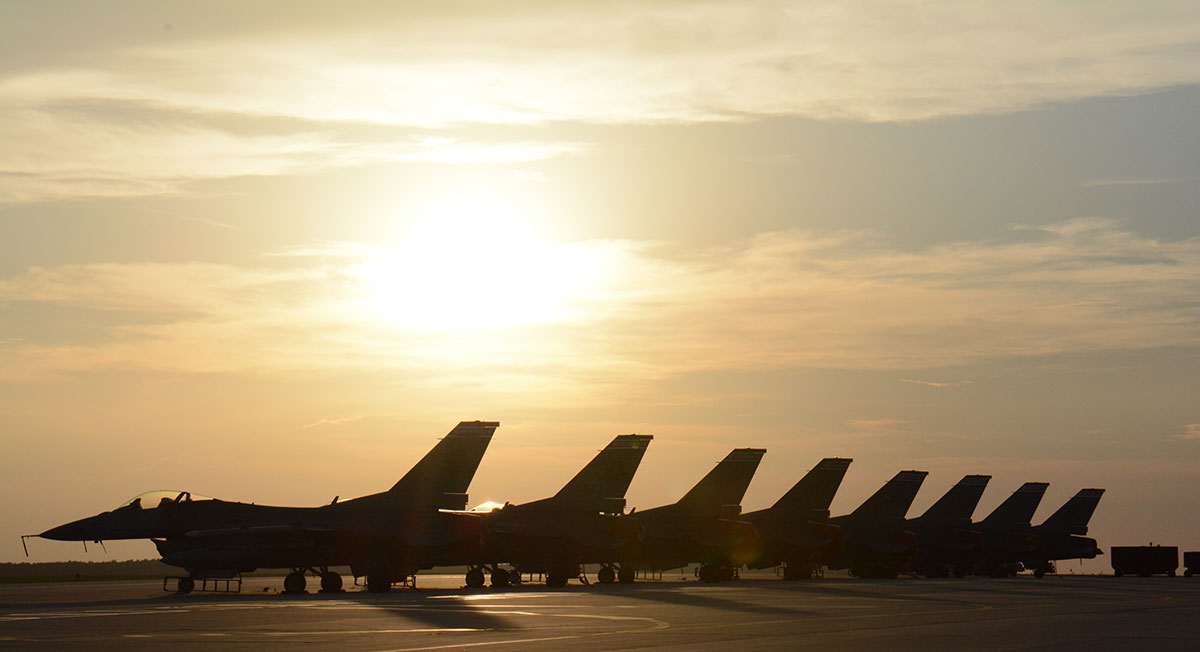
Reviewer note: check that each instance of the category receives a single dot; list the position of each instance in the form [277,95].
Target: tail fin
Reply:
[1017,510]
[893,499]
[1073,516]
[959,503]
[814,492]
[441,478]
[724,486]
[603,482]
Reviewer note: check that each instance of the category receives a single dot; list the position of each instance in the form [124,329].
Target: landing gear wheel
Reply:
[294,582]
[1187,573]
[514,577]
[791,573]
[606,575]
[185,586]
[475,578]
[708,574]
[556,579]
[626,575]
[1039,573]
[379,583]
[331,582]
[499,578]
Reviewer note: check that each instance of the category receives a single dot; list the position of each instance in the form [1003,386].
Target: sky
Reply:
[271,251]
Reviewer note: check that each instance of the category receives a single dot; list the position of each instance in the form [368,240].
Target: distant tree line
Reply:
[84,570]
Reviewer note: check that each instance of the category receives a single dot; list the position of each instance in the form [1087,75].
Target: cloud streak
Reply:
[930,383]
[780,300]
[135,112]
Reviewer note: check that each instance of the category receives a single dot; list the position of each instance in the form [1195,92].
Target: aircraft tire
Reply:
[556,579]
[791,573]
[186,585]
[1187,573]
[627,575]
[379,583]
[1039,573]
[475,578]
[709,574]
[500,578]
[606,575]
[294,582]
[514,577]
[331,582]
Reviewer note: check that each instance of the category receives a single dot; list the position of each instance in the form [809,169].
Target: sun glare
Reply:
[473,262]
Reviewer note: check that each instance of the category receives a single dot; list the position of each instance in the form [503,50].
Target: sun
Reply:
[473,261]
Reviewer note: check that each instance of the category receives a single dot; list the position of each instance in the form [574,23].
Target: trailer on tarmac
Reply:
[1145,561]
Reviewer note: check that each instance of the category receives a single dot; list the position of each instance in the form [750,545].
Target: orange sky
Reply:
[269,252]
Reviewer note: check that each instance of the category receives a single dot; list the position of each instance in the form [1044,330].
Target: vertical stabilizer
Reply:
[1073,516]
[959,503]
[724,486]
[814,492]
[441,478]
[1017,510]
[603,482]
[893,499]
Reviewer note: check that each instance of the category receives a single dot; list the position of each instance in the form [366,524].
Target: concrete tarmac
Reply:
[1094,613]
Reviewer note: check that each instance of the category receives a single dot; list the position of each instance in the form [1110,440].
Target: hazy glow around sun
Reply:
[473,261]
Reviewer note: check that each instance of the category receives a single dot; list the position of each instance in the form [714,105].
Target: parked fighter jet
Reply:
[582,524]
[946,544]
[1008,542]
[385,536]
[794,532]
[877,544]
[702,527]
[1061,535]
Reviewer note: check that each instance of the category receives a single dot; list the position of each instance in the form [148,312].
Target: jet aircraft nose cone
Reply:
[68,532]
[85,529]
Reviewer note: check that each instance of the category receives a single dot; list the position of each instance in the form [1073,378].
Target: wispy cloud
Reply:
[779,300]
[133,111]
[650,62]
[330,422]
[1191,431]
[53,154]
[930,383]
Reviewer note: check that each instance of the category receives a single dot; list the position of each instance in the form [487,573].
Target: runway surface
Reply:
[1022,613]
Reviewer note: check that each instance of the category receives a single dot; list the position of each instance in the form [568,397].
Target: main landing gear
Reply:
[500,577]
[295,582]
[556,578]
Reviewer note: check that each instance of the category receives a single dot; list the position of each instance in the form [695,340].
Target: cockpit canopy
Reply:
[160,497]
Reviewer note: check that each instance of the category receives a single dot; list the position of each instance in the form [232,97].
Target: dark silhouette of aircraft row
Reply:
[423,522]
